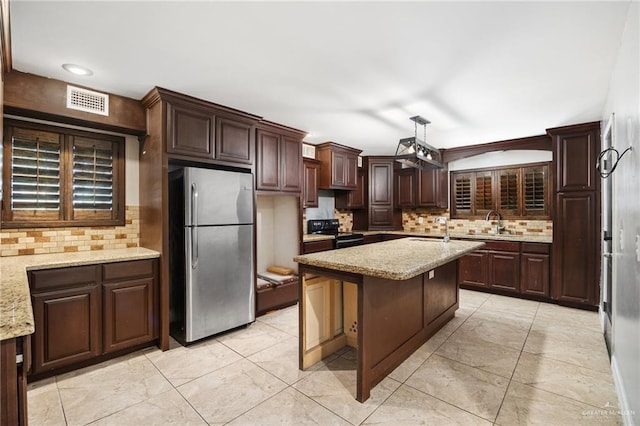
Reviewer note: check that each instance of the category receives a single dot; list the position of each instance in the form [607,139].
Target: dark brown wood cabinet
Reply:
[380,212]
[497,266]
[279,158]
[473,269]
[433,188]
[66,310]
[83,312]
[190,130]
[316,246]
[576,219]
[504,270]
[535,269]
[352,200]
[405,190]
[310,188]
[421,188]
[339,166]
[575,278]
[13,381]
[128,304]
[201,131]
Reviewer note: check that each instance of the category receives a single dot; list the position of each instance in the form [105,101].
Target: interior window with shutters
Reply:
[535,190]
[58,177]
[484,192]
[462,191]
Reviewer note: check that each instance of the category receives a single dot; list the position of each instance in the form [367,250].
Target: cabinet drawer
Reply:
[126,270]
[48,279]
[503,246]
[315,246]
[541,248]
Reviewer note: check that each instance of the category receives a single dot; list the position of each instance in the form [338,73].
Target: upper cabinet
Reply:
[421,188]
[204,132]
[355,199]
[310,188]
[515,192]
[575,149]
[339,166]
[380,212]
[279,158]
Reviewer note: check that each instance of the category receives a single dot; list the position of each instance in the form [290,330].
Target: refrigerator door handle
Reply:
[194,227]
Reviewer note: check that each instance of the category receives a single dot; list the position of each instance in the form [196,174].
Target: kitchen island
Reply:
[385,299]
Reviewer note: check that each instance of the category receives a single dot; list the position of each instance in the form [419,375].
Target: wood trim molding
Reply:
[574,128]
[5,34]
[33,96]
[540,142]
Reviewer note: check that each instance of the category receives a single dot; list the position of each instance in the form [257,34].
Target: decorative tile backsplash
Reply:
[23,241]
[411,222]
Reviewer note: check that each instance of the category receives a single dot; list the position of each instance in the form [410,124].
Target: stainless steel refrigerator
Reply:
[211,252]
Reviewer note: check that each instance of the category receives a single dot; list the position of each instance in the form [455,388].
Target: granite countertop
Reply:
[16,313]
[316,237]
[399,259]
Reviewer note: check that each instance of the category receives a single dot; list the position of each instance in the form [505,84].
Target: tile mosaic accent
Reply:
[411,223]
[25,241]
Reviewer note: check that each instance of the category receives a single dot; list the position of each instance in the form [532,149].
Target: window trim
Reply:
[66,216]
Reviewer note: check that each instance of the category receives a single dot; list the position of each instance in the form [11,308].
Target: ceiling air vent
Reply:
[308,151]
[87,100]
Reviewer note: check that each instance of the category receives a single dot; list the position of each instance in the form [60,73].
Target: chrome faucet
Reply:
[498,226]
[443,221]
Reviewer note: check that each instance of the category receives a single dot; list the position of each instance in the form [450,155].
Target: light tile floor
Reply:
[500,361]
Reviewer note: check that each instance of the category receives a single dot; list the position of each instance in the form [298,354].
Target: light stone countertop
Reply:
[399,259]
[316,237]
[16,313]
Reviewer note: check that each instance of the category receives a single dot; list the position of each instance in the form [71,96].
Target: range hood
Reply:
[415,152]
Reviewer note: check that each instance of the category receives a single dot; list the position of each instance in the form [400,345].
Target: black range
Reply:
[332,227]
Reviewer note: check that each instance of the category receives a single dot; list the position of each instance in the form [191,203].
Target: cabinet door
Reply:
[67,327]
[190,131]
[504,270]
[234,141]
[574,248]
[508,194]
[338,169]
[534,274]
[381,183]
[356,197]
[128,312]
[318,310]
[575,159]
[406,188]
[428,188]
[316,246]
[268,161]
[472,269]
[291,165]
[310,189]
[351,170]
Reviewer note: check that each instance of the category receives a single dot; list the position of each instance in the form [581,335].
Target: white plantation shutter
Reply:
[35,175]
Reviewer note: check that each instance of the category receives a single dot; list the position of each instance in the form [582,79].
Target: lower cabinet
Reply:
[534,269]
[508,266]
[315,246]
[87,311]
[323,310]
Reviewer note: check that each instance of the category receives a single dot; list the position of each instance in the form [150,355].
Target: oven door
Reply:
[350,241]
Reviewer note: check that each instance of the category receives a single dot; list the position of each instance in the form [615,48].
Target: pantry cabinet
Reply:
[380,212]
[84,312]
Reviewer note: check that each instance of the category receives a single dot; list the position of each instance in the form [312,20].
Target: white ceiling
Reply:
[350,72]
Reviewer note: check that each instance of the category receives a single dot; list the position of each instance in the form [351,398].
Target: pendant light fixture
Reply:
[415,152]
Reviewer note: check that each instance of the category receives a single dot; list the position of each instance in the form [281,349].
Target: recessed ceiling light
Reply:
[77,69]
